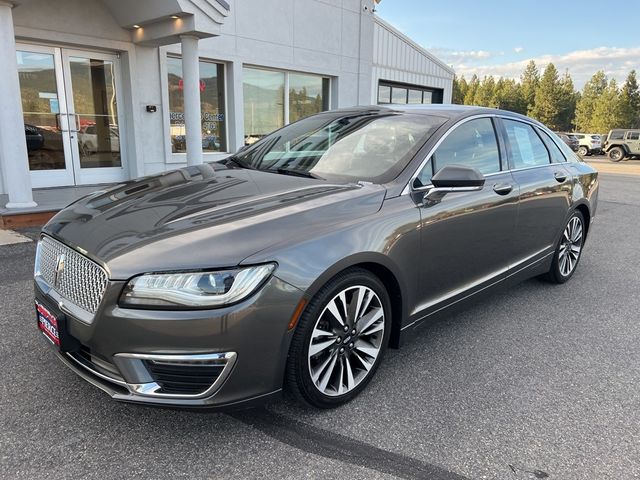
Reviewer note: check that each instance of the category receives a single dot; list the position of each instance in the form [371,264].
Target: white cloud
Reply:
[518,49]
[581,64]
[453,56]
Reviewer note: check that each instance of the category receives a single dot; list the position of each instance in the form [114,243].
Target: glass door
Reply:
[91,87]
[70,103]
[46,119]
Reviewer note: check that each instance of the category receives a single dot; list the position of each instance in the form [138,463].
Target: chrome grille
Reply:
[81,280]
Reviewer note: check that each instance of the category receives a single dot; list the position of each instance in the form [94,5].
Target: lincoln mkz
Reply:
[293,264]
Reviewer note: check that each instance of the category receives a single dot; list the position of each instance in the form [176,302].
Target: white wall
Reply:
[398,58]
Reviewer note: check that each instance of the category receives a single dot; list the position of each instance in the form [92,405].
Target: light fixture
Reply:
[175,17]
[136,26]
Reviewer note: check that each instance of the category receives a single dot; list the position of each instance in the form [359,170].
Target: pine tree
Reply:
[460,87]
[630,102]
[606,112]
[508,96]
[547,105]
[591,92]
[529,80]
[469,97]
[568,100]
[485,91]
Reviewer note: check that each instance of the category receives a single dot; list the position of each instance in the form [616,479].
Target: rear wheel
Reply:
[568,251]
[616,154]
[583,151]
[339,340]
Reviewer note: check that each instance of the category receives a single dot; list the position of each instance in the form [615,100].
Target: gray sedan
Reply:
[293,264]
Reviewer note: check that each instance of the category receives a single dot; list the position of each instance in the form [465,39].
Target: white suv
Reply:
[589,143]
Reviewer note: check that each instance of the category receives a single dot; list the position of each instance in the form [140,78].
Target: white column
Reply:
[235,106]
[191,90]
[14,160]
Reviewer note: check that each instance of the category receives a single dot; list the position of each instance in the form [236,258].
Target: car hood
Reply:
[202,217]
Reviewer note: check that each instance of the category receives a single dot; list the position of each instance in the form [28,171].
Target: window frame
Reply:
[628,136]
[507,143]
[504,149]
[181,157]
[502,154]
[286,73]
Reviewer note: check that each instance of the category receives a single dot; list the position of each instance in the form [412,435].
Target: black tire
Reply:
[616,154]
[583,151]
[555,274]
[298,380]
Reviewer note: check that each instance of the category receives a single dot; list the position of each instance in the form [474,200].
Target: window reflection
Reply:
[211,106]
[41,109]
[263,103]
[308,94]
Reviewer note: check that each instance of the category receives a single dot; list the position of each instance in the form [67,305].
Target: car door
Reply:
[633,142]
[467,237]
[545,190]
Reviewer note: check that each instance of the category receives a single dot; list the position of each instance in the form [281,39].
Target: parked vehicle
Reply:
[570,140]
[589,144]
[622,144]
[295,263]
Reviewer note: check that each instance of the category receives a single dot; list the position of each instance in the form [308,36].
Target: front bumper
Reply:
[156,357]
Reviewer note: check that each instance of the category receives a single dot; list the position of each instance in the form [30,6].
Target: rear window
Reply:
[527,149]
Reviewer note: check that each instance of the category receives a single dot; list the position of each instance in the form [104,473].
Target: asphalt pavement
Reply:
[539,381]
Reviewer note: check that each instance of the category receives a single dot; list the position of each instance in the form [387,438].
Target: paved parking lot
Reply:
[539,381]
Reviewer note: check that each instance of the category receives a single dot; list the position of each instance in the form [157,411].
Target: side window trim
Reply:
[511,156]
[547,139]
[502,152]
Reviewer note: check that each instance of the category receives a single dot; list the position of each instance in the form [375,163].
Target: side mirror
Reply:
[453,178]
[457,176]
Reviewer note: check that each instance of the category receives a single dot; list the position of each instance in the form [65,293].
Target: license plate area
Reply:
[53,324]
[48,324]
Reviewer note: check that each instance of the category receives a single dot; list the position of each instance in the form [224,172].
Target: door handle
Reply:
[560,176]
[502,188]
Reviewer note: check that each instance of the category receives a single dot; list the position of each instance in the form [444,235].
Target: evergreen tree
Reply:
[508,96]
[547,105]
[469,97]
[568,99]
[606,112]
[630,102]
[591,92]
[529,80]
[460,87]
[484,93]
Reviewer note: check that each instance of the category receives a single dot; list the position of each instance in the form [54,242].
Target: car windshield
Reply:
[368,146]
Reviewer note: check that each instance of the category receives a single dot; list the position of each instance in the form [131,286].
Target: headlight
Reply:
[195,290]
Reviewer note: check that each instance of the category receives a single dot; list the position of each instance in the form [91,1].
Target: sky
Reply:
[499,37]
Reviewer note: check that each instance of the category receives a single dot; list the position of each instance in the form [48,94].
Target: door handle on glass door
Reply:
[502,188]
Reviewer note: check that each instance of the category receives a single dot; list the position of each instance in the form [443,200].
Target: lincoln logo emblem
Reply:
[59,268]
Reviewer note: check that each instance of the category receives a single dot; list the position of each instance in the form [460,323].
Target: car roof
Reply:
[449,111]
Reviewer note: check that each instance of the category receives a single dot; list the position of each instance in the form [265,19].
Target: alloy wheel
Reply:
[346,340]
[570,246]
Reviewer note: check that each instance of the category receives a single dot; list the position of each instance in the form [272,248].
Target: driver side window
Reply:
[472,144]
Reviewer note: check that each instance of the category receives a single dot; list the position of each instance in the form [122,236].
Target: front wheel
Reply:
[340,339]
[616,154]
[568,251]
[583,151]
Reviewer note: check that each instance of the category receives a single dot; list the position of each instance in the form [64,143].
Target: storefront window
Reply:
[308,94]
[211,105]
[384,94]
[266,106]
[390,92]
[398,95]
[263,103]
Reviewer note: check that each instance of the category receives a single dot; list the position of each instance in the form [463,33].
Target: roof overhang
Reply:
[162,22]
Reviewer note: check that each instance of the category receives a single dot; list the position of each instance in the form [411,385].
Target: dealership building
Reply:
[102,91]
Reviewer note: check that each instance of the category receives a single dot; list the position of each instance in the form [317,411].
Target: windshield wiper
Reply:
[297,173]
